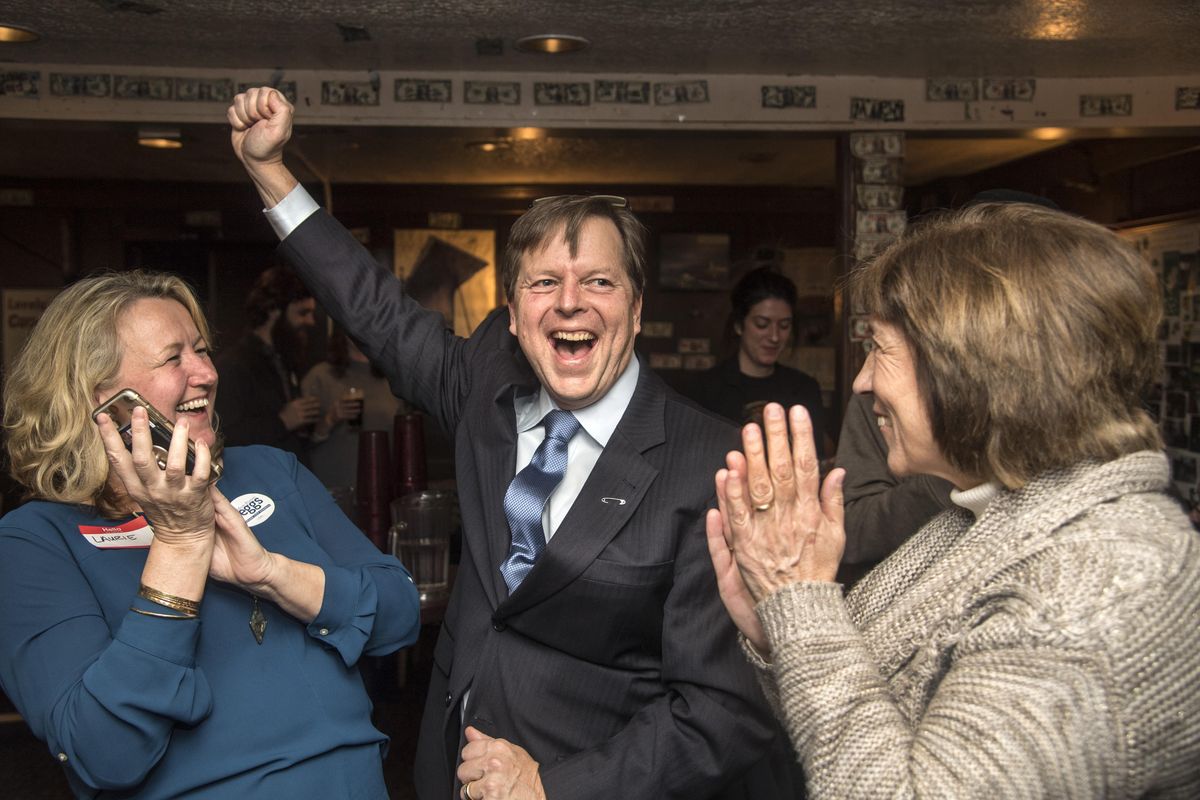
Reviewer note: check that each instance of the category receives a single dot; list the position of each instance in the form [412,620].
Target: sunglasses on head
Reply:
[612,199]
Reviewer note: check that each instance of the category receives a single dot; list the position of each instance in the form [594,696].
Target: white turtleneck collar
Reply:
[976,500]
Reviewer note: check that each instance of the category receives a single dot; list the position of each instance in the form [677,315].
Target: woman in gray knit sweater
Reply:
[1042,637]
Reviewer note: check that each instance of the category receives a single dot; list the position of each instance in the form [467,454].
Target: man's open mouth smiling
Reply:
[573,343]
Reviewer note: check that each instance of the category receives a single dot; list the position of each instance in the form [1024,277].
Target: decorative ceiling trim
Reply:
[701,102]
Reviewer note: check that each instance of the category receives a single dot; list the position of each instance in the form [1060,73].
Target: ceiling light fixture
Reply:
[488,145]
[160,139]
[1058,20]
[1049,134]
[552,43]
[17,33]
[528,134]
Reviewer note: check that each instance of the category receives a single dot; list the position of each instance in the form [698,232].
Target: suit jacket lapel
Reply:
[495,446]
[609,498]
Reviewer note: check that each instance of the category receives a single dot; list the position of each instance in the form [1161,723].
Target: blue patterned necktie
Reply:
[527,495]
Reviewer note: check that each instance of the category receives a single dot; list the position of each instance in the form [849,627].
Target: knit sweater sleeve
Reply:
[1006,719]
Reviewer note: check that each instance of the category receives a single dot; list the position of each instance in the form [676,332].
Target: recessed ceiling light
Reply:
[17,33]
[160,139]
[552,43]
[1058,20]
[528,134]
[1049,134]
[488,145]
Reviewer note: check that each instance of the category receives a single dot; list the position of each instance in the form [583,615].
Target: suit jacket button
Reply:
[499,626]
[449,699]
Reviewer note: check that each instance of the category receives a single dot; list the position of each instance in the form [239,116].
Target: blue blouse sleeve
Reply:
[371,604]
[76,683]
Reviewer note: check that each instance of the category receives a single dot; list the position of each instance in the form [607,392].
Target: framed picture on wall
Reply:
[695,261]
[451,271]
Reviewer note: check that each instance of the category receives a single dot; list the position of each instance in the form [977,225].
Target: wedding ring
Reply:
[467,791]
[764,507]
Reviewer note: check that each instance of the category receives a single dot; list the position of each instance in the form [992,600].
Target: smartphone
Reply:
[120,407]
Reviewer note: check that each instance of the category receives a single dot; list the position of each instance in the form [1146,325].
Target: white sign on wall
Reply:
[22,309]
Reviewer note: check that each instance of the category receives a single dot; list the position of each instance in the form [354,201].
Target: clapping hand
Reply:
[774,524]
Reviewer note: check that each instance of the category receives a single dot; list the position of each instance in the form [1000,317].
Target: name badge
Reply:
[255,508]
[134,534]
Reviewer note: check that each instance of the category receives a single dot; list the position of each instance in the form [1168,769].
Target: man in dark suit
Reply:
[592,657]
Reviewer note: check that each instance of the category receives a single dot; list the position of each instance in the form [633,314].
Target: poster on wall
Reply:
[451,271]
[22,309]
[697,261]
[1173,250]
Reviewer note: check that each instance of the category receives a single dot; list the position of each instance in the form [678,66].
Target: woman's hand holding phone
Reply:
[177,503]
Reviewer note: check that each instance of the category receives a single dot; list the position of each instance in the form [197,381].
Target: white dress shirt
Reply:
[597,421]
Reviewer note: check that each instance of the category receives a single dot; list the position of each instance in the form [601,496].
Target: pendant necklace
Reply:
[258,621]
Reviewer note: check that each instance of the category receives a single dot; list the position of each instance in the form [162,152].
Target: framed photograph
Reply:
[666,94]
[876,110]
[349,93]
[1005,89]
[65,84]
[421,90]
[666,361]
[492,93]
[694,261]
[1105,105]
[881,170]
[880,223]
[623,92]
[860,328]
[879,197]
[951,90]
[658,330]
[20,84]
[451,271]
[562,94]
[877,144]
[789,96]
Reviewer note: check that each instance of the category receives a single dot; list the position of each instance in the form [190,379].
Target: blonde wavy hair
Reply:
[1034,335]
[54,447]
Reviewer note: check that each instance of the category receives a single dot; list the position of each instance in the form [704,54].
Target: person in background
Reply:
[584,652]
[162,641]
[883,510]
[354,396]
[1039,639]
[262,400]
[764,308]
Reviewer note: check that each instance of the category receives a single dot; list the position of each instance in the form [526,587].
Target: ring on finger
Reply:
[763,506]
[467,791]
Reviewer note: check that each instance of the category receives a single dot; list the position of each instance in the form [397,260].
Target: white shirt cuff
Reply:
[289,212]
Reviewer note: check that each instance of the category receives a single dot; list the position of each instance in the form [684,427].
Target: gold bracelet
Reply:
[161,616]
[189,607]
